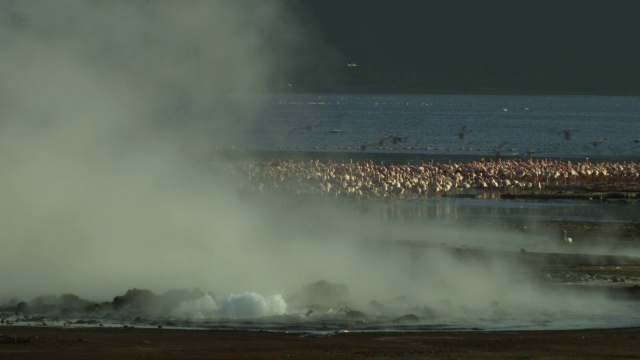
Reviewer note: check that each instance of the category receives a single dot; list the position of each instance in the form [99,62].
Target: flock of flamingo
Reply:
[367,179]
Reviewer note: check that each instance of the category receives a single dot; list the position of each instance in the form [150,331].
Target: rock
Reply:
[22,309]
[408,318]
[139,298]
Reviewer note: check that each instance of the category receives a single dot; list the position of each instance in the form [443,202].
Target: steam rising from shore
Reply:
[103,107]
[103,104]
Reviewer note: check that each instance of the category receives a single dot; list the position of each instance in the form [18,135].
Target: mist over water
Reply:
[106,109]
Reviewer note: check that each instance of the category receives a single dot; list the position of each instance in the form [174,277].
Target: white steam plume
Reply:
[99,103]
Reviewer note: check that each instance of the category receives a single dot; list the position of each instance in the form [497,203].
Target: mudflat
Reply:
[135,343]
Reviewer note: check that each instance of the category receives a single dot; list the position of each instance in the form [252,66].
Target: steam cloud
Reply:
[100,103]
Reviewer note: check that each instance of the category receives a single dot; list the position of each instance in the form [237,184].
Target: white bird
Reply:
[567,240]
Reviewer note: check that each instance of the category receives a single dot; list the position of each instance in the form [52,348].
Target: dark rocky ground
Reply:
[618,276]
[112,343]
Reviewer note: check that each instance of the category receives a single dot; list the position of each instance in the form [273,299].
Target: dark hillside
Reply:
[576,47]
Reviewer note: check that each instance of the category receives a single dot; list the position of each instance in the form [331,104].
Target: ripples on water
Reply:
[483,210]
[520,123]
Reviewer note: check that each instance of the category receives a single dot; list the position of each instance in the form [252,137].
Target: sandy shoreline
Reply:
[119,343]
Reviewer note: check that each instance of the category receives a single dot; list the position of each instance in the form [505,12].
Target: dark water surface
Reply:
[520,124]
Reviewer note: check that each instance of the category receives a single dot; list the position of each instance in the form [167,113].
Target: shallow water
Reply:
[526,211]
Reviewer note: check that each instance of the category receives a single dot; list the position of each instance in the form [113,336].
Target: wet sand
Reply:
[119,343]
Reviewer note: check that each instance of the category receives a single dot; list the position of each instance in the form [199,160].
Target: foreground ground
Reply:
[127,342]
[95,342]
[119,343]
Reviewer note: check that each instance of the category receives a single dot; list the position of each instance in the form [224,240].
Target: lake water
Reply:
[522,126]
[431,123]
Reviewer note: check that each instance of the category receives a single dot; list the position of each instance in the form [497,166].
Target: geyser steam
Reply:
[103,106]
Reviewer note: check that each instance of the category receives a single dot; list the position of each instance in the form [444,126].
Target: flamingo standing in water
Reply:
[567,240]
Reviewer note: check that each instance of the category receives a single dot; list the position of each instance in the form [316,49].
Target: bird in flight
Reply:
[599,141]
[567,133]
[394,139]
[463,132]
[307,127]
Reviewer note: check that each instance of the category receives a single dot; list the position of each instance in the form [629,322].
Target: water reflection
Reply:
[484,210]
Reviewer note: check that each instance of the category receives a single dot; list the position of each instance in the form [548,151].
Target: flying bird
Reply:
[599,141]
[463,132]
[394,139]
[306,127]
[567,133]
[637,141]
